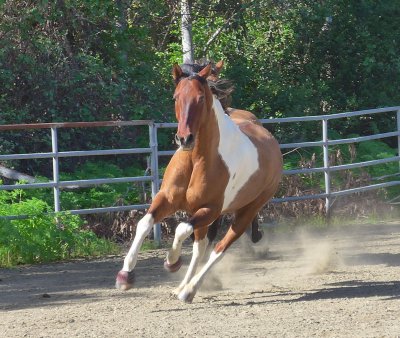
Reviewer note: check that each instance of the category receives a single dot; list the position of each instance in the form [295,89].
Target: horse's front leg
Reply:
[243,217]
[173,261]
[159,209]
[199,225]
[199,249]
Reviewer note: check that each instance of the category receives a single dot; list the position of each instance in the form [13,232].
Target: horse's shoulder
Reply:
[179,168]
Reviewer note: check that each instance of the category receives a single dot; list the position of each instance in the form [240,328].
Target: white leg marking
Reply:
[232,142]
[183,231]
[199,248]
[191,288]
[142,230]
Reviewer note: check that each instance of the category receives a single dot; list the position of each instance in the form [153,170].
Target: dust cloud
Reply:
[312,252]
[292,254]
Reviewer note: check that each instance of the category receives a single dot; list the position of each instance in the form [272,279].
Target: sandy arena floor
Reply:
[339,283]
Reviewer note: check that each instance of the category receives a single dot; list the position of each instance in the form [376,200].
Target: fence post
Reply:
[398,136]
[56,176]
[326,167]
[154,173]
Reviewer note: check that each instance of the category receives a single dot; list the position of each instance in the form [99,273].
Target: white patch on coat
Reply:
[237,151]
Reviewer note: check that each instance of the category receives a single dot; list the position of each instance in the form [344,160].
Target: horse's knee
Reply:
[144,225]
[183,231]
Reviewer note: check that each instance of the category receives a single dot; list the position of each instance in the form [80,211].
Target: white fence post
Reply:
[56,176]
[326,166]
[154,173]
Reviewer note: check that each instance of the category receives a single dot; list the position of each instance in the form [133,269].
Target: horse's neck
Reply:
[219,131]
[206,148]
[227,129]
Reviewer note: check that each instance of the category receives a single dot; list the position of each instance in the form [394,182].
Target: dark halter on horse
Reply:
[221,88]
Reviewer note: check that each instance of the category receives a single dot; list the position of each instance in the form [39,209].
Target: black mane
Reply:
[221,88]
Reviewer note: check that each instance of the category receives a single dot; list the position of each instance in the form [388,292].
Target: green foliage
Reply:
[43,237]
[104,195]
[77,61]
[85,60]
[372,150]
[88,61]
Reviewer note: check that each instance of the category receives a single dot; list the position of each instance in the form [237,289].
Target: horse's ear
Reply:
[218,67]
[206,71]
[176,72]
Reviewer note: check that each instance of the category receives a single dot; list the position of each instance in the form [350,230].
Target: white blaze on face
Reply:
[237,151]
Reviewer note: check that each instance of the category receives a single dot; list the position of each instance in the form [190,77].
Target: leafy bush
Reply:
[43,237]
[94,196]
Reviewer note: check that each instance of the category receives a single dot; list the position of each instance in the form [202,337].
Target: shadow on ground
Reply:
[355,289]
[54,284]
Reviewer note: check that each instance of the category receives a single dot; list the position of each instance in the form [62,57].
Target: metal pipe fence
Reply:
[56,184]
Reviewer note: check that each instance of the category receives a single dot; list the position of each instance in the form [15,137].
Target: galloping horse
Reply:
[223,89]
[222,166]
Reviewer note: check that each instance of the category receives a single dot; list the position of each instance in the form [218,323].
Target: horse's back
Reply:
[270,156]
[238,115]
[260,136]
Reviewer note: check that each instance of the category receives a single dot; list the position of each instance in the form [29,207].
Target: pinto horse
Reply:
[222,89]
[223,165]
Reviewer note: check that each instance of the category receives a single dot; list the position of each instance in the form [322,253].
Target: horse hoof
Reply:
[186,296]
[124,280]
[173,267]
[256,237]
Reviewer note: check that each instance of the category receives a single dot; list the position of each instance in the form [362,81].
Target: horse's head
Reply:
[193,102]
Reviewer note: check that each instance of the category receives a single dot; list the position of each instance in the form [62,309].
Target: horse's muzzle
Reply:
[186,143]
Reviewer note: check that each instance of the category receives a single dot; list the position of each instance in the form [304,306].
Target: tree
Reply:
[186,27]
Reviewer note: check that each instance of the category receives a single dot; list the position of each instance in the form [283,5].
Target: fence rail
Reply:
[154,153]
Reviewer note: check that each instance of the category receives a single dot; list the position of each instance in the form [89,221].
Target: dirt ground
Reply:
[339,283]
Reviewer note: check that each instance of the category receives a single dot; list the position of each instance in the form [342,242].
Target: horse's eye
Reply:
[201,98]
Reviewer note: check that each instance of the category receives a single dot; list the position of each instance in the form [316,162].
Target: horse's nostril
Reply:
[189,139]
[185,142]
[178,140]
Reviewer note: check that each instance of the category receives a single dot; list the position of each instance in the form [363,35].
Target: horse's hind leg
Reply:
[212,230]
[253,231]
[159,209]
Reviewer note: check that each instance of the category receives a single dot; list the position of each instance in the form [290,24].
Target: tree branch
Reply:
[217,33]
[15,175]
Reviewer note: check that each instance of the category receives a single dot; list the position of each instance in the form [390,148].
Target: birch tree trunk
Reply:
[187,43]
[122,24]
